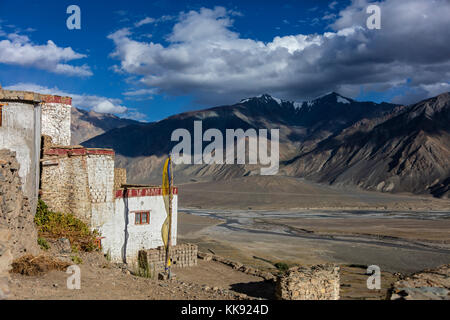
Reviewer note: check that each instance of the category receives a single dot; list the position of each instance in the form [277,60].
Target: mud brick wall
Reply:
[320,282]
[120,177]
[15,211]
[56,119]
[182,256]
[64,185]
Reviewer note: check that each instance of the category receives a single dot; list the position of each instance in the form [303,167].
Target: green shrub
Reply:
[142,269]
[77,260]
[281,266]
[54,225]
[108,255]
[43,243]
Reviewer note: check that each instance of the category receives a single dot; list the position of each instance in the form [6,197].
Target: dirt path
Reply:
[207,281]
[103,281]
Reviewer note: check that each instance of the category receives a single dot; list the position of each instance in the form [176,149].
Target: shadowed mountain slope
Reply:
[405,152]
[141,148]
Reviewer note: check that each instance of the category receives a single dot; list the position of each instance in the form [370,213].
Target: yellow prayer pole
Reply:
[169,240]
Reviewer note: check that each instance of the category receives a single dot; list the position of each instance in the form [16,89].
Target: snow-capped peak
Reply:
[341,99]
[268,97]
[265,97]
[299,105]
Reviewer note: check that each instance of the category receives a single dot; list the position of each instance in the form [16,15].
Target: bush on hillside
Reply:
[55,225]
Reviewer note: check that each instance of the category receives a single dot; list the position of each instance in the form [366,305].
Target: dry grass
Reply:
[55,225]
[30,265]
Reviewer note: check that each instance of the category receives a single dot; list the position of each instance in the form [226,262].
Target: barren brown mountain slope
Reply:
[331,140]
[142,148]
[88,124]
[408,152]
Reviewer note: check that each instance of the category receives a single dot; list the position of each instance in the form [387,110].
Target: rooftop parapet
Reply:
[132,192]
[32,97]
[77,151]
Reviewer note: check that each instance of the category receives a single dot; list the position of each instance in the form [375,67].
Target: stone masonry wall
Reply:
[64,184]
[120,177]
[183,255]
[27,115]
[100,171]
[320,282]
[56,121]
[79,181]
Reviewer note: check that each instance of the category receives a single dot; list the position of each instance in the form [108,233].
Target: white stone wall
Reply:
[140,237]
[100,169]
[56,122]
[20,133]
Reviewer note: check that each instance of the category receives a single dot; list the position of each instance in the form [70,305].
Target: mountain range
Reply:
[332,139]
[88,124]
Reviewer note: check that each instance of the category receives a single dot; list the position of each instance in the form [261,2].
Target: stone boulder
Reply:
[430,284]
[320,282]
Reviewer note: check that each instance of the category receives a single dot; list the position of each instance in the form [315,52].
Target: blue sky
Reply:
[150,59]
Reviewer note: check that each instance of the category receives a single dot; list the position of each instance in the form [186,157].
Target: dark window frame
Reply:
[140,214]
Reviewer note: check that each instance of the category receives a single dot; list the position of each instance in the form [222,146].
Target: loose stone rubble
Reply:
[320,282]
[430,284]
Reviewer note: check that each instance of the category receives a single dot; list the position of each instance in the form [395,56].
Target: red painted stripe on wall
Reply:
[78,151]
[56,99]
[101,151]
[143,192]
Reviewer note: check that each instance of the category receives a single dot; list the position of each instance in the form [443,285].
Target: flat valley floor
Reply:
[263,220]
[259,221]
[283,219]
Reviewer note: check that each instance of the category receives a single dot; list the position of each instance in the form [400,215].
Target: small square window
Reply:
[142,217]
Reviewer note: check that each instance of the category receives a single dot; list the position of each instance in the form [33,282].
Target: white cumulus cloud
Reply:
[205,57]
[20,50]
[144,21]
[90,102]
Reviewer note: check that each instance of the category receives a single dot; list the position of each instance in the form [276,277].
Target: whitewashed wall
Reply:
[20,132]
[56,122]
[146,236]
[100,170]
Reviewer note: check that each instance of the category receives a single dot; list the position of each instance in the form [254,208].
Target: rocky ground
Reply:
[103,280]
[209,280]
[217,280]
[430,284]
